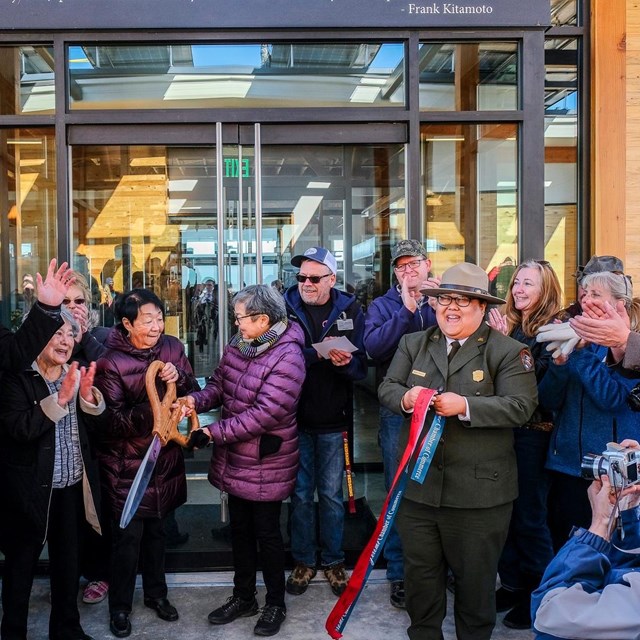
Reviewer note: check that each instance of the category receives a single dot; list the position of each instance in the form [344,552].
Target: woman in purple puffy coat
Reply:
[131,346]
[255,457]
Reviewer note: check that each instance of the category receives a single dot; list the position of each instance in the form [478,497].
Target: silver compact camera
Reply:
[619,463]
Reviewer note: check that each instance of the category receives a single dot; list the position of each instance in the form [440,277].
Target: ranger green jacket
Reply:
[474,465]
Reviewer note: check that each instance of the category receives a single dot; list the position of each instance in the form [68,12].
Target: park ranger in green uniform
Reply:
[459,517]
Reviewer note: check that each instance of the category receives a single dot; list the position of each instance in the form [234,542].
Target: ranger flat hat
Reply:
[465,279]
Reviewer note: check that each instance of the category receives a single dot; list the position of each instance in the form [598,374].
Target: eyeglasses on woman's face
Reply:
[300,277]
[460,301]
[248,315]
[413,265]
[76,301]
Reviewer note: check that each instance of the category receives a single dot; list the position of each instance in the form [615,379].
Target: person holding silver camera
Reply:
[591,589]
[589,392]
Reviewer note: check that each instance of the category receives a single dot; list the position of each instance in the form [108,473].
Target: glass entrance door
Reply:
[197,222]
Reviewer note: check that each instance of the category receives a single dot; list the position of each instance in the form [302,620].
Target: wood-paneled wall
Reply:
[608,122]
[615,118]
[632,141]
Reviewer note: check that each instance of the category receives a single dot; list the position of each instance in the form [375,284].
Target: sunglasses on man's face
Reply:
[313,279]
[76,301]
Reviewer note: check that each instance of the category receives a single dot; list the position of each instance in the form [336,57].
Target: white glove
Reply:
[556,332]
[555,347]
[562,347]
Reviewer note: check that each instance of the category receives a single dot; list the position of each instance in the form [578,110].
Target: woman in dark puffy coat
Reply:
[135,342]
[255,457]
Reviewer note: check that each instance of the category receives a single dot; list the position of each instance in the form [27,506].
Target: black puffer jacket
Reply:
[27,451]
[129,422]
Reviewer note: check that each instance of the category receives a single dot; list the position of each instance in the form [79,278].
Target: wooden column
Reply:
[608,123]
[632,259]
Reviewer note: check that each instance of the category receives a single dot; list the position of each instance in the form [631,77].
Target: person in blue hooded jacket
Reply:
[588,391]
[591,589]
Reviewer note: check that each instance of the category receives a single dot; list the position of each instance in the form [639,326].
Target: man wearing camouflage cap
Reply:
[402,310]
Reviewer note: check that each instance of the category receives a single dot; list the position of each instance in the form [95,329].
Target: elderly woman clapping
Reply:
[46,473]
[255,458]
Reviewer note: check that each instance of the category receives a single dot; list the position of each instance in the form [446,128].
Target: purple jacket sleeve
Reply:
[277,398]
[122,420]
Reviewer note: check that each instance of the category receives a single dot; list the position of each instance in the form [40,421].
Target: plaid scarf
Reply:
[258,346]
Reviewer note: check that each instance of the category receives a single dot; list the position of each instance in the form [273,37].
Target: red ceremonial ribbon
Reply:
[340,613]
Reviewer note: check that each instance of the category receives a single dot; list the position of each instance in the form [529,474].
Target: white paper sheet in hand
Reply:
[341,343]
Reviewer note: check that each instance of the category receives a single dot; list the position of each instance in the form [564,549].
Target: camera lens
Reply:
[593,466]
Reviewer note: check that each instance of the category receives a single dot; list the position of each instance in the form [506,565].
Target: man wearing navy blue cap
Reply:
[324,413]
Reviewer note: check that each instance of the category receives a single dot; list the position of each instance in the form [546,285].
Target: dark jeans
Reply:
[529,548]
[257,524]
[321,468]
[66,515]
[568,506]
[388,434]
[143,539]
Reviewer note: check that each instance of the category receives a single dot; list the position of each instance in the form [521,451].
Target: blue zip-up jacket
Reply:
[589,399]
[386,321]
[591,590]
[326,403]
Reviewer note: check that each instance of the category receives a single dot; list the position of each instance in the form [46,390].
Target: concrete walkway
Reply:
[196,594]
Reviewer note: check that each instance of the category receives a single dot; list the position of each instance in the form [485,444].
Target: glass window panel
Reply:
[350,199]
[29,230]
[470,193]
[563,12]
[135,214]
[470,76]
[138,76]
[26,80]
[561,161]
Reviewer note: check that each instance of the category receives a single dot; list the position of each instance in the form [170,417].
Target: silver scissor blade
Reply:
[140,482]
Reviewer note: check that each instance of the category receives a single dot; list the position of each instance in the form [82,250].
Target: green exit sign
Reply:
[232,167]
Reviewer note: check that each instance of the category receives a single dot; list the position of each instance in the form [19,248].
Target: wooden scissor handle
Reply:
[166,419]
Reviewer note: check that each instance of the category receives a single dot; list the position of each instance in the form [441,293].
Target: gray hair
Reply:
[66,316]
[617,284]
[261,298]
[621,289]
